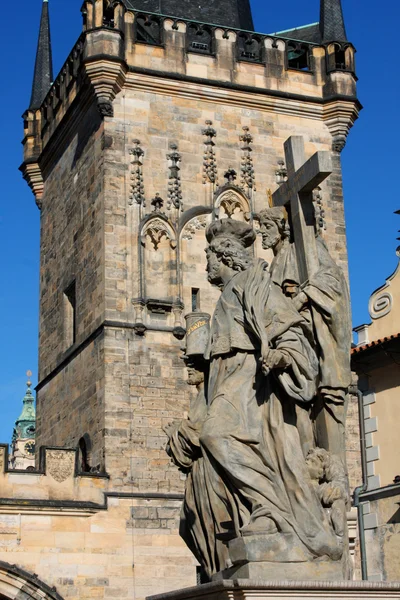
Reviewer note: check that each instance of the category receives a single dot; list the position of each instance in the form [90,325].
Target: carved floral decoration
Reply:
[194,225]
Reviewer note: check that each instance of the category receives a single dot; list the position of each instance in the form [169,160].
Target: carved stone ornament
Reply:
[156,231]
[380,305]
[105,109]
[60,464]
[136,169]
[209,159]
[247,178]
[174,184]
[194,225]
[233,203]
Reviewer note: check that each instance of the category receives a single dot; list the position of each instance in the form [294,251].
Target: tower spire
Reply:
[331,21]
[43,74]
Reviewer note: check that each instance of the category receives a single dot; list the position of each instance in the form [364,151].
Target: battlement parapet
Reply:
[56,483]
[118,47]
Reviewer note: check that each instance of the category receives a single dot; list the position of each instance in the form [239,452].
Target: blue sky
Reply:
[370,163]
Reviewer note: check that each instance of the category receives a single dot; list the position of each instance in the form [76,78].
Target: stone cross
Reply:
[297,192]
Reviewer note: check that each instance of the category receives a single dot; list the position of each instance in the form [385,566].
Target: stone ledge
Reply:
[257,589]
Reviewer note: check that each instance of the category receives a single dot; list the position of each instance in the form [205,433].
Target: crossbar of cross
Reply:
[297,193]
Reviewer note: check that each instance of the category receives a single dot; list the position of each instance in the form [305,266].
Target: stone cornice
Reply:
[172,84]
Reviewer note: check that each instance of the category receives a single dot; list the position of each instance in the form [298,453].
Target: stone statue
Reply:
[184,443]
[324,301]
[251,505]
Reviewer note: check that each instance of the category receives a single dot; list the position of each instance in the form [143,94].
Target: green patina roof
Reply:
[26,423]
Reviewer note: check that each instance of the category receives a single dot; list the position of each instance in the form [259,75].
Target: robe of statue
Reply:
[252,476]
[328,294]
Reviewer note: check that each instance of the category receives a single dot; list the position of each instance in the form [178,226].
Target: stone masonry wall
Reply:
[145,379]
[70,398]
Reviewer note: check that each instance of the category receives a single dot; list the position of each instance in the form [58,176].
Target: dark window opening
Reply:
[108,16]
[84,454]
[70,315]
[298,57]
[199,39]
[199,46]
[250,48]
[148,30]
[195,299]
[340,58]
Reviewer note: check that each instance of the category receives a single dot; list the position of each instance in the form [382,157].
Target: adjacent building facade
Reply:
[376,359]
[155,125]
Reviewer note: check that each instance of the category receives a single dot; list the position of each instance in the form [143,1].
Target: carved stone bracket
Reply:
[107,78]
[106,73]
[340,117]
[32,174]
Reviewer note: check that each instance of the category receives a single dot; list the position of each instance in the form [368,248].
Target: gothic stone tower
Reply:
[129,152]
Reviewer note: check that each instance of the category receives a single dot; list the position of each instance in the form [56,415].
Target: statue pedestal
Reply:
[246,589]
[279,557]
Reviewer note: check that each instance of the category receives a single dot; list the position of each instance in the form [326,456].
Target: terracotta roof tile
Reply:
[358,349]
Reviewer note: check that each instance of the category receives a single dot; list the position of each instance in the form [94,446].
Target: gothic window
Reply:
[340,57]
[231,203]
[199,39]
[197,293]
[159,264]
[70,315]
[249,47]
[148,29]
[298,56]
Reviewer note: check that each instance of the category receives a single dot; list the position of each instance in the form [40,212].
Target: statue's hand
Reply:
[171,428]
[274,359]
[331,493]
[300,301]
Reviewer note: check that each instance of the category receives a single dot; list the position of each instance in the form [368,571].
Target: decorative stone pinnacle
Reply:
[230,175]
[157,202]
[281,173]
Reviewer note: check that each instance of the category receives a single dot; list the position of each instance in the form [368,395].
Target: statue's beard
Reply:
[213,275]
[270,242]
[195,377]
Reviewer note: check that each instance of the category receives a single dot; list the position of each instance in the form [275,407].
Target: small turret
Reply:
[43,74]
[331,22]
[23,440]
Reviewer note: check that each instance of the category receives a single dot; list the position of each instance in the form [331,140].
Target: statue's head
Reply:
[317,462]
[196,367]
[228,243]
[274,226]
